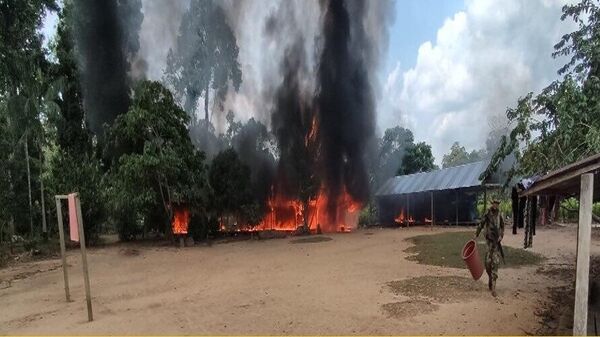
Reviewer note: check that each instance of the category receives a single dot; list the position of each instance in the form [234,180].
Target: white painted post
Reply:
[583,255]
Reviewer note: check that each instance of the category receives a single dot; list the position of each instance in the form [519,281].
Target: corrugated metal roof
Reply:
[462,176]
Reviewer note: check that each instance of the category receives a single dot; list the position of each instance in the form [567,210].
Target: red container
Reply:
[471,257]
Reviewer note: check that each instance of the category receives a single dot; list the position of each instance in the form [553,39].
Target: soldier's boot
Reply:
[493,288]
[490,283]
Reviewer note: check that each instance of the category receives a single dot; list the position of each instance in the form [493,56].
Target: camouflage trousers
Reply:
[492,260]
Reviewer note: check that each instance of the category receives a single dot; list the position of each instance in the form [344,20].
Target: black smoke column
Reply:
[100,40]
[344,101]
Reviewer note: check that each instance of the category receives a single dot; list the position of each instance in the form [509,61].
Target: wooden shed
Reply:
[580,178]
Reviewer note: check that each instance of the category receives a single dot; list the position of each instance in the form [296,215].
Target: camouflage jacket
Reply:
[492,225]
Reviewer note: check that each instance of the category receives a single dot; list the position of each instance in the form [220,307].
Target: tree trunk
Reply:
[11,220]
[206,102]
[29,188]
[43,203]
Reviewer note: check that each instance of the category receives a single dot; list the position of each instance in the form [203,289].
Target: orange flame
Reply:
[401,218]
[288,214]
[181,219]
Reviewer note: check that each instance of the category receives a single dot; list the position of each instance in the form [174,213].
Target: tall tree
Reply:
[458,155]
[205,57]
[23,87]
[73,136]
[390,149]
[418,158]
[158,167]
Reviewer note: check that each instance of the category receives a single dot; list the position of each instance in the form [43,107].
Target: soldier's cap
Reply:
[495,201]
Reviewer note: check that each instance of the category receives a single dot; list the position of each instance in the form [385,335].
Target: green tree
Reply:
[205,57]
[20,41]
[418,158]
[232,190]
[390,149]
[459,156]
[69,172]
[158,167]
[72,133]
[562,123]
[24,86]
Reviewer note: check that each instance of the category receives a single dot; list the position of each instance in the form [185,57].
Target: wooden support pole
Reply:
[63,253]
[407,210]
[86,276]
[484,199]
[456,206]
[583,254]
[432,211]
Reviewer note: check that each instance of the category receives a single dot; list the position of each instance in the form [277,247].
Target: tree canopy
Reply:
[418,158]
[159,167]
[458,155]
[205,57]
[232,189]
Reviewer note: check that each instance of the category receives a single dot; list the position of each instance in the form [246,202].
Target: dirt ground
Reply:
[342,286]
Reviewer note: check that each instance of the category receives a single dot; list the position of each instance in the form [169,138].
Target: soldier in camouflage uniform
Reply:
[493,226]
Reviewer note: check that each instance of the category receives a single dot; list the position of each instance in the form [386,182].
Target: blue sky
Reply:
[416,21]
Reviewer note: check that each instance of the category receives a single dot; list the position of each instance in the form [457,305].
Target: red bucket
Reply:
[471,257]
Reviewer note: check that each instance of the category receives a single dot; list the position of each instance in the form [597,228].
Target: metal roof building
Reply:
[463,176]
[444,196]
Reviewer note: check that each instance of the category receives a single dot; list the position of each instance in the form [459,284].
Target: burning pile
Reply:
[402,219]
[181,220]
[288,214]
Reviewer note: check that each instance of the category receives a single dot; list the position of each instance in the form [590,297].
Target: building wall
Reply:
[416,207]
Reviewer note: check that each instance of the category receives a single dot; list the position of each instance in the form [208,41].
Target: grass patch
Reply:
[312,239]
[445,249]
[408,308]
[438,288]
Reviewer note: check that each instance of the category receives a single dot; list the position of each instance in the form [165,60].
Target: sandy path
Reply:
[269,287]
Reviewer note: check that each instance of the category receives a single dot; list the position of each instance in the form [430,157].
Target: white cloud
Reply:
[483,60]
[392,79]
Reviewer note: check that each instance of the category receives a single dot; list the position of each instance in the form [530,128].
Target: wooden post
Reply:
[432,211]
[456,207]
[583,255]
[86,276]
[63,253]
[485,199]
[407,210]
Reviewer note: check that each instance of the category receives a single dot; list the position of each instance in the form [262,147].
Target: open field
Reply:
[356,283]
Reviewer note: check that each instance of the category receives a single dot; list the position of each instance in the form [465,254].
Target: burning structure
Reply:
[320,100]
[444,196]
[323,124]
